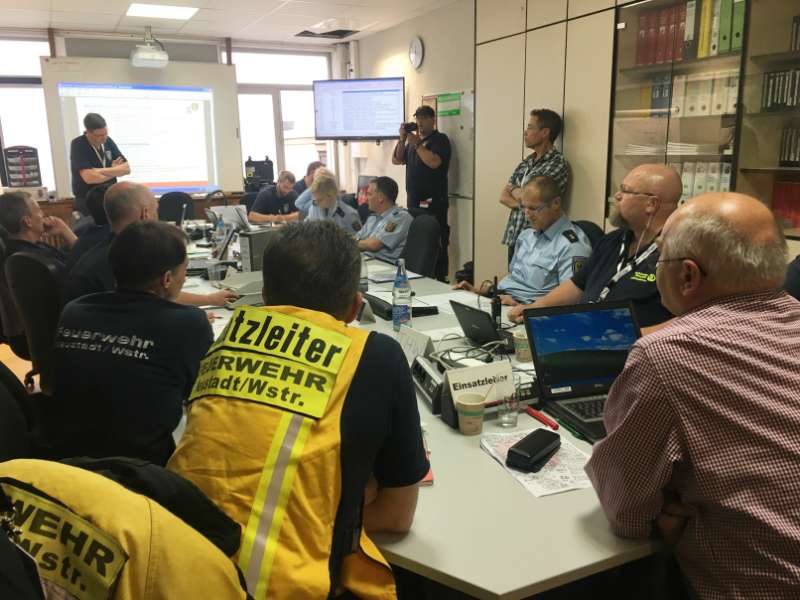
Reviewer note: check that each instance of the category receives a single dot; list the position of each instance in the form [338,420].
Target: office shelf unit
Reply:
[769,161]
[676,91]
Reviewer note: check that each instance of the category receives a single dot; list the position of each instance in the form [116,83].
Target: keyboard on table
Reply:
[586,409]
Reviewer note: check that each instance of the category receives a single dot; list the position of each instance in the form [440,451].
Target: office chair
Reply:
[248,200]
[364,213]
[422,246]
[175,206]
[36,286]
[592,231]
[15,439]
[10,319]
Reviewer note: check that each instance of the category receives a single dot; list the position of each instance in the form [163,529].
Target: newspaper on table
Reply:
[563,472]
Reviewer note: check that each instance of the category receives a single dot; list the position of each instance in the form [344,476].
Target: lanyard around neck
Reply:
[101,156]
[624,267]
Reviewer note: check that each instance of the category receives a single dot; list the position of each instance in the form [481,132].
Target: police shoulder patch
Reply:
[390,227]
[570,235]
[577,263]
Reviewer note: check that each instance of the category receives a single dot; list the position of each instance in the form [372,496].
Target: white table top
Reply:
[478,530]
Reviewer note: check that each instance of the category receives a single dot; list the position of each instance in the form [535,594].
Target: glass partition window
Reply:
[676,94]
[257,126]
[299,145]
[20,58]
[23,120]
[279,69]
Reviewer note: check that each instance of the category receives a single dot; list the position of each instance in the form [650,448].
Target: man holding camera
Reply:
[426,154]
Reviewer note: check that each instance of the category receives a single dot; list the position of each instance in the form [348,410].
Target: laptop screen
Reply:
[581,352]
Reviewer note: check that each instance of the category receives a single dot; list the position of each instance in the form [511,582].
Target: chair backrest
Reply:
[364,213]
[248,200]
[36,286]
[10,318]
[15,437]
[170,207]
[592,231]
[423,245]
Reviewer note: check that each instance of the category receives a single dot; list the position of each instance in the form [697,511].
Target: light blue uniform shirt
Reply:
[391,229]
[304,202]
[343,215]
[544,259]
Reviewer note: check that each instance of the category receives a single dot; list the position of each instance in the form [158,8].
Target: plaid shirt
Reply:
[709,407]
[553,164]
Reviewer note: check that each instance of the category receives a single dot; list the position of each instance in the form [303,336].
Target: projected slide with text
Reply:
[166,133]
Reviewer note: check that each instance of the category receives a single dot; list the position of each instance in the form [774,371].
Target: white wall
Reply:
[449,38]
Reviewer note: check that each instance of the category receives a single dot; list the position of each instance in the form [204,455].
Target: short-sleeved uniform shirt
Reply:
[343,215]
[552,164]
[391,229]
[639,285]
[544,259]
[124,362]
[792,284]
[269,202]
[422,182]
[92,272]
[83,156]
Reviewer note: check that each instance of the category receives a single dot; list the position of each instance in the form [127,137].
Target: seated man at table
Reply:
[275,203]
[25,223]
[125,203]
[550,252]
[303,184]
[384,234]
[292,399]
[327,205]
[95,232]
[623,263]
[702,423]
[124,361]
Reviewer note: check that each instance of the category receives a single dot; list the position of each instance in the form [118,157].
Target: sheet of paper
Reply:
[438,334]
[563,472]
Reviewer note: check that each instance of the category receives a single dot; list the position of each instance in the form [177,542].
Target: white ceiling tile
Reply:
[103,7]
[93,20]
[24,18]
[27,5]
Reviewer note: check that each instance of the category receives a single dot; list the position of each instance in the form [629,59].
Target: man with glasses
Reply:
[550,252]
[702,423]
[543,129]
[623,263]
[94,159]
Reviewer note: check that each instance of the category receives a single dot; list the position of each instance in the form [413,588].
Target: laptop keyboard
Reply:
[586,409]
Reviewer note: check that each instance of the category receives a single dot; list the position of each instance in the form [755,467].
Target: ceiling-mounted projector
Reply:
[151,55]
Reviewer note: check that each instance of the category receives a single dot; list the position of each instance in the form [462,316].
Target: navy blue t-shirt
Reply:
[82,156]
[422,182]
[792,284]
[268,202]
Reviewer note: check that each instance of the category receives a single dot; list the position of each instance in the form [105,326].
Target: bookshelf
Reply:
[676,95]
[769,163]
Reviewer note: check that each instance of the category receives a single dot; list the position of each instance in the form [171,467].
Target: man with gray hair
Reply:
[125,203]
[702,423]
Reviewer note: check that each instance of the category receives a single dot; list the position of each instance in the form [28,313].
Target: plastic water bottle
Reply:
[219,236]
[401,297]
[363,282]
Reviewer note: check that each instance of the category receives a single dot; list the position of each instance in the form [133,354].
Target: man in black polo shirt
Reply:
[124,361]
[623,263]
[24,221]
[98,228]
[125,203]
[275,203]
[94,159]
[426,155]
[303,184]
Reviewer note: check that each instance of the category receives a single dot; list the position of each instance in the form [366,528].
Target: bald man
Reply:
[125,202]
[703,422]
[623,263]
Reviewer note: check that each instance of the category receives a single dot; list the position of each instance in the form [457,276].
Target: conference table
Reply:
[477,529]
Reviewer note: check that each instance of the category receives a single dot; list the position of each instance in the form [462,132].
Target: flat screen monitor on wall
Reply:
[359,109]
[178,126]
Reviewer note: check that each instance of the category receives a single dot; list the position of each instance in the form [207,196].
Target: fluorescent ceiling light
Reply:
[161,11]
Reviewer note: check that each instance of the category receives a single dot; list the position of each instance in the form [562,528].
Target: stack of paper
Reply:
[643,149]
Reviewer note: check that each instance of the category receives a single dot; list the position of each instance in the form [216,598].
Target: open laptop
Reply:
[201,264]
[479,326]
[578,352]
[235,215]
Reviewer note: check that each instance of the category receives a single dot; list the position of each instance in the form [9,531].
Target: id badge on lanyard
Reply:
[101,156]
[624,269]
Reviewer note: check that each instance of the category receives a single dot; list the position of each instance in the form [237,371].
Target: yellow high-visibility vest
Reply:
[263,441]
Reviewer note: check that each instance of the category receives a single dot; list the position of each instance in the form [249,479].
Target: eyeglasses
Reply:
[624,190]
[536,210]
[694,260]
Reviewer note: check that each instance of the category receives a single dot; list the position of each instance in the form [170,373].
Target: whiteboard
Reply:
[460,128]
[220,78]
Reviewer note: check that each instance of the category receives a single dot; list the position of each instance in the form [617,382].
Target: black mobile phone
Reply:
[533,451]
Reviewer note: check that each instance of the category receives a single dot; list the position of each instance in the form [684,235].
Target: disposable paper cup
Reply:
[470,409]
[522,348]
